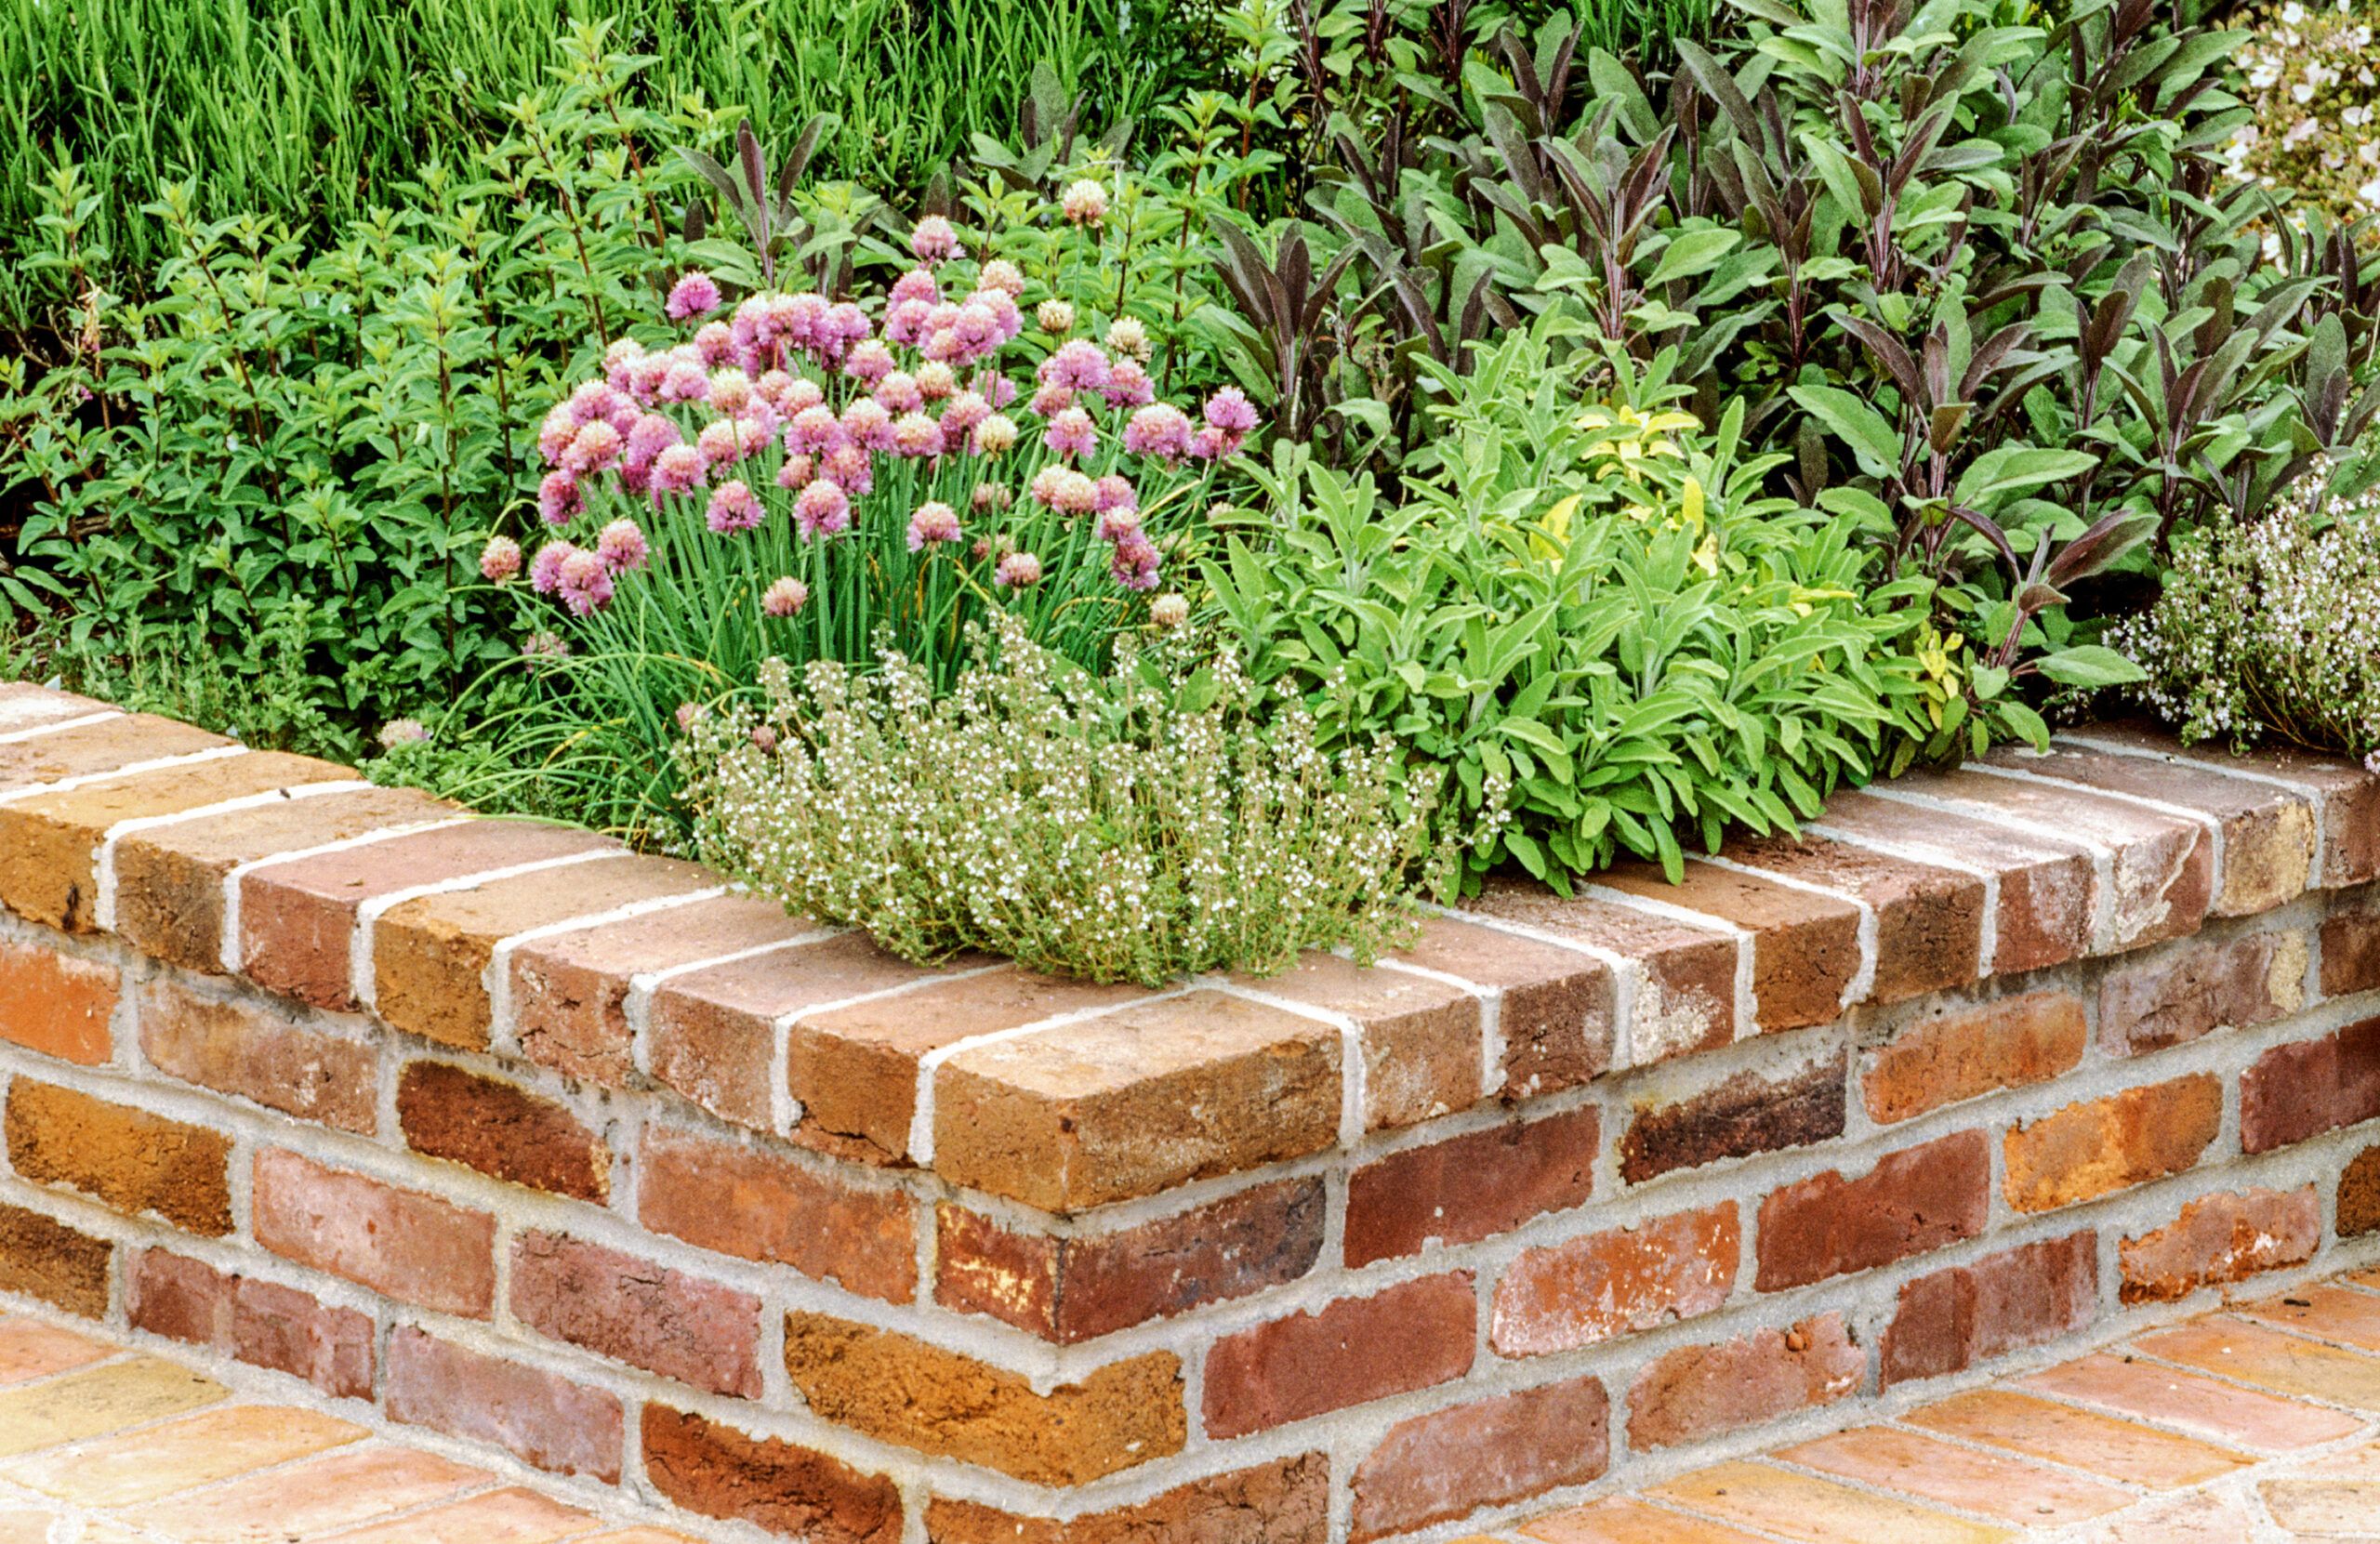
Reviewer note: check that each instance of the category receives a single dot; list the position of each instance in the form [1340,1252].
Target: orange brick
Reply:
[2109,1144]
[1926,1470]
[761,1205]
[2268,1359]
[1961,1053]
[43,1258]
[714,1470]
[1818,1512]
[2221,1239]
[57,1004]
[124,1157]
[1584,1290]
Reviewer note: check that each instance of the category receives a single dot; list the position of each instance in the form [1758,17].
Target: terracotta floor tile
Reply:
[2201,1517]
[179,1456]
[32,1348]
[1928,1469]
[1818,1512]
[342,1490]
[513,1516]
[2366,1278]
[2325,1509]
[659,1536]
[2083,1439]
[2269,1359]
[2239,1418]
[1625,1522]
[2360,1463]
[25,1528]
[98,1401]
[2326,1313]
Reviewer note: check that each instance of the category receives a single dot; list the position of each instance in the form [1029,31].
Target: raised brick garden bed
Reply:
[568,1153]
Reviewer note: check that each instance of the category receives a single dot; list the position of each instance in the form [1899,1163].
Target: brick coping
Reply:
[564,949]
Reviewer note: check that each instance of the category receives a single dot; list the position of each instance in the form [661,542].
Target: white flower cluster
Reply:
[1160,821]
[2272,628]
[2316,127]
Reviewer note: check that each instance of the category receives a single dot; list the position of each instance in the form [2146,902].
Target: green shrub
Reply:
[1164,820]
[1590,615]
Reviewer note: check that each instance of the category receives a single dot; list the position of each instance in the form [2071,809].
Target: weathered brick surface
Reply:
[1701,1392]
[2220,1238]
[902,1390]
[1685,1001]
[1354,1351]
[1804,946]
[2309,1087]
[2348,796]
[404,1245]
[1136,1101]
[500,1130]
[123,1157]
[1750,1112]
[716,1471]
[1073,1288]
[2107,1145]
[45,1258]
[2360,1195]
[1564,1295]
[240,1048]
[2046,882]
[2200,988]
[2351,943]
[540,1418]
[638,1312]
[1929,920]
[1448,1464]
[1287,1501]
[1953,1319]
[91,749]
[759,1205]
[258,1322]
[1917,1199]
[1471,1187]
[57,1004]
[1961,1052]
[1420,1034]
[1554,1005]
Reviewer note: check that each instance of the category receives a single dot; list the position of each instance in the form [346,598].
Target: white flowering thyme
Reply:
[1169,818]
[2272,627]
[2309,72]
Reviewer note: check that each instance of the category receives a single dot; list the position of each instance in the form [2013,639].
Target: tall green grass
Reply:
[314,110]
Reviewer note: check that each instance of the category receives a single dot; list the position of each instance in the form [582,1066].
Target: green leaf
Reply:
[2089,665]
[1873,441]
[1692,252]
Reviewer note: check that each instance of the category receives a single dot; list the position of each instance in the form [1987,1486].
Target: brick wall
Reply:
[567,1153]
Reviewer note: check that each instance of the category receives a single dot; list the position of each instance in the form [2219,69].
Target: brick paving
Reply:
[102,1444]
[2259,1424]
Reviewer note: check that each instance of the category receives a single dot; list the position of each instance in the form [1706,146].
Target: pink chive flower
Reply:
[719,442]
[934,240]
[801,396]
[1129,336]
[917,283]
[1135,564]
[1051,400]
[934,524]
[620,362]
[556,432]
[593,400]
[815,428]
[1230,412]
[593,449]
[1001,274]
[500,560]
[1054,316]
[821,509]
[731,390]
[994,435]
[649,436]
[544,569]
[772,389]
[584,582]
[868,423]
[678,470]
[869,361]
[993,496]
[714,343]
[1116,524]
[1084,203]
[1115,493]
[916,435]
[897,392]
[999,390]
[1074,493]
[798,469]
[1170,611]
[694,295]
[784,596]
[1160,429]
[849,466]
[1017,571]
[1078,366]
[558,498]
[963,411]
[622,547]
[936,380]
[1128,385]
[1209,443]
[1071,433]
[688,381]
[733,507]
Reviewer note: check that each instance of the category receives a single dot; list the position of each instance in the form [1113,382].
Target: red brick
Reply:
[748,1202]
[2360,1195]
[237,1048]
[1700,1391]
[1929,921]
[431,956]
[169,880]
[1077,1287]
[2200,988]
[2301,1090]
[713,1031]
[2348,796]
[1555,1006]
[123,1157]
[570,991]
[541,1420]
[297,917]
[1748,1112]
[1685,997]
[401,1244]
[714,1470]
[1287,1501]
[1448,1464]
[1917,1199]
[1953,1319]
[257,1322]
[1804,946]
[1584,1290]
[1471,1187]
[2222,1238]
[637,1312]
[2047,884]
[1957,1052]
[502,1130]
[57,1004]
[1420,1034]
[43,1258]
[2351,951]
[2127,1139]
[1409,1336]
